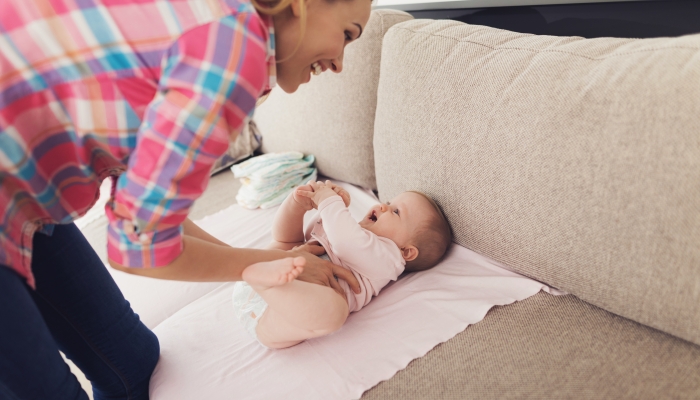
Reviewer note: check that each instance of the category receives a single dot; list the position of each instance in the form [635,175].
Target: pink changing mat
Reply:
[207,354]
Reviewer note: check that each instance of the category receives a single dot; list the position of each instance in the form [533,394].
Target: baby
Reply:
[409,233]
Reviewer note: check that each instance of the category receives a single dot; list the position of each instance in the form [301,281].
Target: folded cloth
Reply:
[268,179]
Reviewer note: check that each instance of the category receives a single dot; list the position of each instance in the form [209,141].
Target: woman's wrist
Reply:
[202,261]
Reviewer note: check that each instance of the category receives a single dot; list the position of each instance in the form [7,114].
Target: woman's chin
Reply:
[288,87]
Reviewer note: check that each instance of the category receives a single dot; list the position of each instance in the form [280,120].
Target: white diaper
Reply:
[248,306]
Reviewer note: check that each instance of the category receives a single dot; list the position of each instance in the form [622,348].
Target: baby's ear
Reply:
[409,253]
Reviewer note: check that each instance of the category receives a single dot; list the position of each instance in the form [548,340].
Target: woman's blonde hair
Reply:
[274,7]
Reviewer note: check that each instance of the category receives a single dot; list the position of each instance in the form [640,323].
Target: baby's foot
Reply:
[273,273]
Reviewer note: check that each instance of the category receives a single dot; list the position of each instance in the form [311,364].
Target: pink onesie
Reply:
[375,261]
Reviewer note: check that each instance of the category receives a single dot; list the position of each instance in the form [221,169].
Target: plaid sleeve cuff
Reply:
[130,248]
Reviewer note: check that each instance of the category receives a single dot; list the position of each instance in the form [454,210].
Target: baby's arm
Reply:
[375,258]
[288,225]
[347,238]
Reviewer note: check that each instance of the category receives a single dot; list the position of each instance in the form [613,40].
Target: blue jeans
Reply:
[78,309]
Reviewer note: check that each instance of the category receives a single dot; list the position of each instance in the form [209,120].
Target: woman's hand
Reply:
[314,248]
[322,272]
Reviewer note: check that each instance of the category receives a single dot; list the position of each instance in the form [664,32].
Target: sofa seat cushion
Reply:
[549,347]
[574,161]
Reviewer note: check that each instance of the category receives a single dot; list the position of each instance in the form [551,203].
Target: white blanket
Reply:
[206,353]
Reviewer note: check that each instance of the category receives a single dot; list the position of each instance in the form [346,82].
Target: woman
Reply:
[149,91]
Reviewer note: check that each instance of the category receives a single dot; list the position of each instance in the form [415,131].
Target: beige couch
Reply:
[575,162]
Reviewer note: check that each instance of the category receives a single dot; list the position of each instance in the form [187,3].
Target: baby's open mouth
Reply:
[373,216]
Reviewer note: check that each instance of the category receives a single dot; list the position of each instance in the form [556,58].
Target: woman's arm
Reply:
[193,230]
[204,261]
[173,155]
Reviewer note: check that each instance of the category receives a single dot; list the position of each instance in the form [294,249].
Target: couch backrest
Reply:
[332,117]
[573,161]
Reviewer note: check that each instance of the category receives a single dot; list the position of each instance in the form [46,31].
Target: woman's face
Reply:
[330,26]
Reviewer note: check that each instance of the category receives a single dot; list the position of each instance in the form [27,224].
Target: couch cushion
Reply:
[575,161]
[332,117]
[551,347]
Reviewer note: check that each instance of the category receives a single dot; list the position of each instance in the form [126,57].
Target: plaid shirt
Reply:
[93,88]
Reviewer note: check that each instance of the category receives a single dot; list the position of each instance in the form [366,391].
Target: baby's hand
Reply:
[341,192]
[320,191]
[304,201]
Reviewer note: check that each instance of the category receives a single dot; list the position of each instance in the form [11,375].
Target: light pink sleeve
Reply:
[372,256]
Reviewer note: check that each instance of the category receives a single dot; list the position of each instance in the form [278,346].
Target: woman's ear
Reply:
[409,253]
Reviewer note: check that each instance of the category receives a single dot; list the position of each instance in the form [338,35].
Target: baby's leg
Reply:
[288,225]
[296,310]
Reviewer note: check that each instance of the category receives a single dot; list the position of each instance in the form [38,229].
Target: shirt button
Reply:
[144,239]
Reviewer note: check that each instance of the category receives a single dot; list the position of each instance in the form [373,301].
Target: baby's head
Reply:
[416,224]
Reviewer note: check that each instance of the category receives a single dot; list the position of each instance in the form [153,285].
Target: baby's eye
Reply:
[396,211]
[347,36]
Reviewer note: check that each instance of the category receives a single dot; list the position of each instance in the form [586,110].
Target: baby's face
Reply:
[398,218]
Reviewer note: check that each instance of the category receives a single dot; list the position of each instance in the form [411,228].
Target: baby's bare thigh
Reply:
[298,311]
[283,246]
